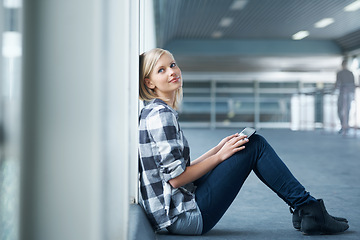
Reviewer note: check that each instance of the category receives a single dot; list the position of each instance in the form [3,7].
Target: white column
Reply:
[80,118]
[62,147]
[147,25]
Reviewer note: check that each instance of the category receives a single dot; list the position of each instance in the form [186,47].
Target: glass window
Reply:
[10,118]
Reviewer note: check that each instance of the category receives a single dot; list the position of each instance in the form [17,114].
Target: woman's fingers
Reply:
[232,136]
[237,139]
[240,148]
[242,141]
[235,144]
[232,146]
[228,138]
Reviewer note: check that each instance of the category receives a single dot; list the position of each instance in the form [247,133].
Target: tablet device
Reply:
[247,131]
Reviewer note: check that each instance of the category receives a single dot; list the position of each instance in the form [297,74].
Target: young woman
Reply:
[190,197]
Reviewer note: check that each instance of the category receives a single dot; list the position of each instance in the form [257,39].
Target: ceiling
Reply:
[257,37]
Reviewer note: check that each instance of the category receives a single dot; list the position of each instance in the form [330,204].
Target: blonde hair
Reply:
[148,61]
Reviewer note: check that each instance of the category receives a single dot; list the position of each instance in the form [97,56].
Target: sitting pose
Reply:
[190,197]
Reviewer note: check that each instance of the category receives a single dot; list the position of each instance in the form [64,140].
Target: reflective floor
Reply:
[326,163]
[9,183]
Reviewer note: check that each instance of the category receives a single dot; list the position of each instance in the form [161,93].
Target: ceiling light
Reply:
[353,6]
[225,22]
[11,47]
[238,4]
[324,22]
[12,3]
[300,35]
[217,34]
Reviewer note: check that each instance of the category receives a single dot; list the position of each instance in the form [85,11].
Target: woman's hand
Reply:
[208,161]
[231,145]
[216,149]
[223,141]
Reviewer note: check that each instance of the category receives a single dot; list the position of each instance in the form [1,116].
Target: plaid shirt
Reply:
[163,154]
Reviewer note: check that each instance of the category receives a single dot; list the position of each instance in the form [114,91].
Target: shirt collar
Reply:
[161,102]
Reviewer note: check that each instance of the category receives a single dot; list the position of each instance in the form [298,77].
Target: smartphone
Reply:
[247,131]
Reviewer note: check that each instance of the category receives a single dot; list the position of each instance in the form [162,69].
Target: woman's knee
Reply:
[257,139]
[257,144]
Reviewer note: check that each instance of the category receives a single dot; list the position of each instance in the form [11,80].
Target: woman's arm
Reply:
[214,150]
[195,171]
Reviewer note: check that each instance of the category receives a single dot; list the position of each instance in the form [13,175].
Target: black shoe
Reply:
[316,220]
[296,219]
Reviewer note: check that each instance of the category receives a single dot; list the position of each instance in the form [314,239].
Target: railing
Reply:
[294,105]
[331,120]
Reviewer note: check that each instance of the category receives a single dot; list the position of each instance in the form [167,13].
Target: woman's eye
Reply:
[160,70]
[173,65]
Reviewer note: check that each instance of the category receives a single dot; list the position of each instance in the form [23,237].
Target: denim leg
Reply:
[340,108]
[217,189]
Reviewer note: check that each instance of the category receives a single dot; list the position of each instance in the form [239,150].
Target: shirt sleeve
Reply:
[164,131]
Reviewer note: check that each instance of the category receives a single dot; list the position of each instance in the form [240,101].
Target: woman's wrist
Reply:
[218,157]
[215,149]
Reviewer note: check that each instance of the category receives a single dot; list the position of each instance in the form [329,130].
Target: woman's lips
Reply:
[174,80]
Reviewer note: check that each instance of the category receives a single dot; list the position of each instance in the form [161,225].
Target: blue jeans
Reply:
[344,105]
[217,189]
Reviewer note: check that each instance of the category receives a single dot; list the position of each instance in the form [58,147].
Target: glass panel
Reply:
[278,85]
[309,85]
[240,109]
[196,94]
[10,118]
[234,84]
[195,84]
[196,106]
[275,108]
[239,95]
[195,111]
[243,102]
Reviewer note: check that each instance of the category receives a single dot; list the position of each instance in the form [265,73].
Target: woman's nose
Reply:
[172,72]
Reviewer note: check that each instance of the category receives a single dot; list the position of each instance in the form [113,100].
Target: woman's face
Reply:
[165,78]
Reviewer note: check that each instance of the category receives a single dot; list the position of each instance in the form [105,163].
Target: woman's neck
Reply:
[169,100]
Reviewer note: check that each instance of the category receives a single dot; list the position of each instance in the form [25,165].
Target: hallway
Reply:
[327,164]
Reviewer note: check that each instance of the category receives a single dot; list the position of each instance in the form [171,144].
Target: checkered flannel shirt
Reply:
[163,154]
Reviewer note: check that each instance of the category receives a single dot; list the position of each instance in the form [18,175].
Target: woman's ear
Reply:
[149,84]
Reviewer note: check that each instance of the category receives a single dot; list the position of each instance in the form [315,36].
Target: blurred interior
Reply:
[243,65]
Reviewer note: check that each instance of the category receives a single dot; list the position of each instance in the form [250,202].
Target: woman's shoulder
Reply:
[158,115]
[156,107]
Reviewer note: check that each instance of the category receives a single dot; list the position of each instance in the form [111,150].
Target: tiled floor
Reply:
[327,164]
